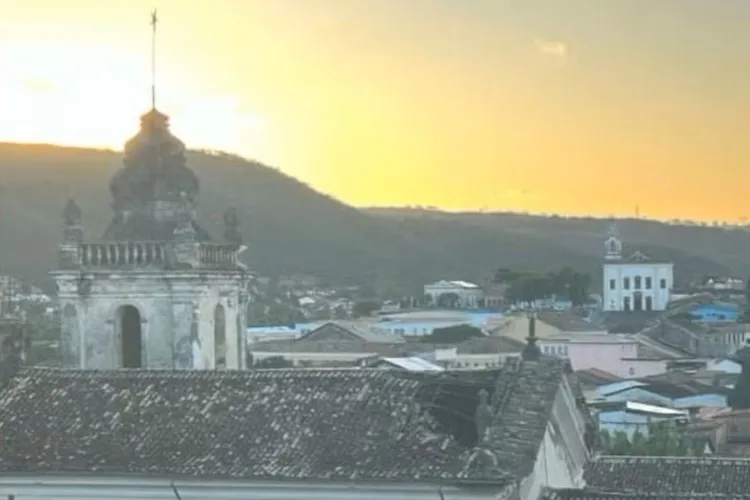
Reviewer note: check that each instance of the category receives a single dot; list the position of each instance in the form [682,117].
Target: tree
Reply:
[452,334]
[662,439]
[364,308]
[565,282]
[504,275]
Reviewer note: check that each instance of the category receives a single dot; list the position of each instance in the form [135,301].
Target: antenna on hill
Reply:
[154,20]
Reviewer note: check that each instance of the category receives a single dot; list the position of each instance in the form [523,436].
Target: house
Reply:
[465,294]
[306,434]
[548,324]
[699,339]
[591,350]
[479,352]
[407,363]
[631,417]
[660,478]
[635,283]
[591,378]
[658,391]
[352,330]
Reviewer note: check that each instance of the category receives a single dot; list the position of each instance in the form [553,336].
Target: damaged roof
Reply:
[292,424]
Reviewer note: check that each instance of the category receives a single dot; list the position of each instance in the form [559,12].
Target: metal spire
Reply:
[154,20]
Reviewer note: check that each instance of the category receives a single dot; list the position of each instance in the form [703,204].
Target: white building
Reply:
[469,294]
[635,283]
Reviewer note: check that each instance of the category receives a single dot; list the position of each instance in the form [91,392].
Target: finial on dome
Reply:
[231,227]
[154,21]
[71,213]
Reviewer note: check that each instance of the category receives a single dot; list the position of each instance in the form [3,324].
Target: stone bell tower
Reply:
[154,291]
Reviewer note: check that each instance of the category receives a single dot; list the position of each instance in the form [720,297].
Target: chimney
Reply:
[531,351]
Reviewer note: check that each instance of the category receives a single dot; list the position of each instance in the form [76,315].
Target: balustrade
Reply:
[121,254]
[216,254]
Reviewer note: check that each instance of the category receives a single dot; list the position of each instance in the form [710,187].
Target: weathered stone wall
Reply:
[176,310]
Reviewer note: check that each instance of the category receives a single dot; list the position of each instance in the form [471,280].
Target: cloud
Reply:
[551,48]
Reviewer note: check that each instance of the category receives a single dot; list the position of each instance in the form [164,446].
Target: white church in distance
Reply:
[634,283]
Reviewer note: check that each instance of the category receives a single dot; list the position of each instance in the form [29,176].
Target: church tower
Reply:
[154,291]
[613,244]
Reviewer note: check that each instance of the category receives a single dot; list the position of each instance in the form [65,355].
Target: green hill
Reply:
[290,228]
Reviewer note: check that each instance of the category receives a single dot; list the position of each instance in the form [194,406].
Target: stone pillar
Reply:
[182,321]
[70,338]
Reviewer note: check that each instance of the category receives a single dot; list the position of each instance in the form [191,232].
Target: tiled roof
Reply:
[629,321]
[592,494]
[478,345]
[669,475]
[595,377]
[294,424]
[568,321]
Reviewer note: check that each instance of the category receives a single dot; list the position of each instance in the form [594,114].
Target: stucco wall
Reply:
[613,299]
[169,303]
[562,454]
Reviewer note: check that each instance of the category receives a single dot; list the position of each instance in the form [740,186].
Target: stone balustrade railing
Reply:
[121,254]
[217,255]
[147,254]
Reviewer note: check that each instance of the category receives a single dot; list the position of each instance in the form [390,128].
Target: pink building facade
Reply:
[616,354]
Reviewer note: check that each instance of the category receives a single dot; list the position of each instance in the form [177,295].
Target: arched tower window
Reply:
[220,338]
[128,321]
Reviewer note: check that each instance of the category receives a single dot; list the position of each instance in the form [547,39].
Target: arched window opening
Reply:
[220,338]
[130,335]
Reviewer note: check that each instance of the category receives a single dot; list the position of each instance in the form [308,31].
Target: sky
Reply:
[565,106]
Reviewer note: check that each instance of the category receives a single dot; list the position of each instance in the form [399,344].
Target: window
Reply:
[631,370]
[637,282]
[626,283]
[648,282]
[612,284]
[663,283]
[626,304]
[649,303]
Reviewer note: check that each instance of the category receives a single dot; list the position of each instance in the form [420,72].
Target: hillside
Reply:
[290,228]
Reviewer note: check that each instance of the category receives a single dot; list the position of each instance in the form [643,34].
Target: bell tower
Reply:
[613,244]
[155,291]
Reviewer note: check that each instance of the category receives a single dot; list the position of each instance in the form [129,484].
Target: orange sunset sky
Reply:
[573,106]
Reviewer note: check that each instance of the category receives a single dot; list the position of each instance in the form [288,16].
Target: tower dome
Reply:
[154,166]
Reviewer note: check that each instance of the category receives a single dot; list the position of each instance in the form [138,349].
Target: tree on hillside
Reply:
[452,334]
[364,308]
[565,283]
[572,284]
[504,275]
